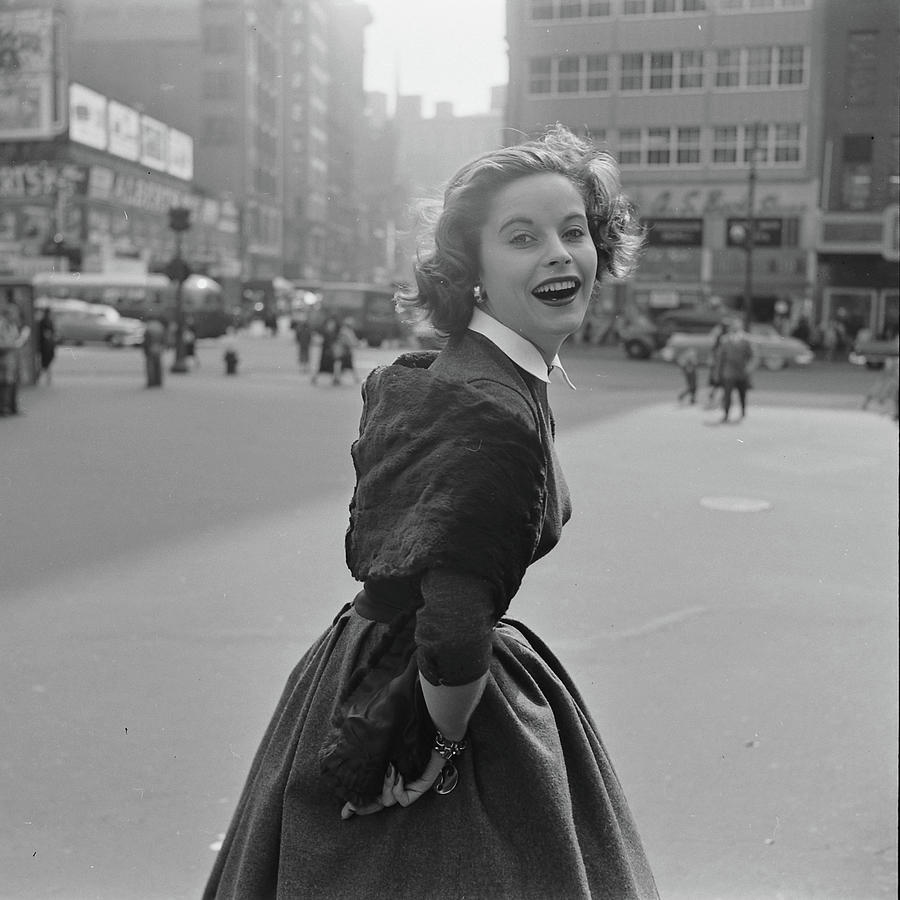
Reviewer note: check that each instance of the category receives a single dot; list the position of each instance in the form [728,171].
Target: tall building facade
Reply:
[714,110]
[859,235]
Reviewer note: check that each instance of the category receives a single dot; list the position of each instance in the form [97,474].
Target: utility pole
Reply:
[751,230]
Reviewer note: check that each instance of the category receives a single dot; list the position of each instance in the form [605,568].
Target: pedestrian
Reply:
[230,356]
[303,334]
[13,336]
[687,362]
[884,388]
[714,378]
[46,334]
[329,362]
[155,342]
[346,344]
[189,342]
[425,746]
[737,361]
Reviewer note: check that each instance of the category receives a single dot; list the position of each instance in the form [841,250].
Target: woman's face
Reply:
[538,261]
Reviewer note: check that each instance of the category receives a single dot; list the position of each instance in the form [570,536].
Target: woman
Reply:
[328,359]
[425,746]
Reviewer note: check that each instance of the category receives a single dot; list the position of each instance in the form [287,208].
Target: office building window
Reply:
[597,73]
[567,75]
[661,71]
[570,9]
[759,66]
[540,10]
[690,69]
[631,77]
[659,149]
[634,7]
[756,143]
[728,68]
[788,148]
[791,65]
[856,170]
[862,61]
[688,148]
[598,9]
[725,144]
[629,149]
[540,75]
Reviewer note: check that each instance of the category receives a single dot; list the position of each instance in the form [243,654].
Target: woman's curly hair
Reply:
[448,265]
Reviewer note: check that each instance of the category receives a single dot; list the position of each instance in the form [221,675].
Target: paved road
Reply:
[725,596]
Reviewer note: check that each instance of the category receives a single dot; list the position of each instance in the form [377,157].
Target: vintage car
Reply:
[641,335]
[774,350]
[872,352]
[80,322]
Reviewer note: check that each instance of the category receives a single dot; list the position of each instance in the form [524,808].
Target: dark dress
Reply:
[538,811]
[46,341]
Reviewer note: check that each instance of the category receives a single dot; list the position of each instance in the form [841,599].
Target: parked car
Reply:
[642,336]
[775,351]
[80,322]
[872,352]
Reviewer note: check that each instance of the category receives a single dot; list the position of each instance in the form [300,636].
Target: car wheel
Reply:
[637,350]
[773,363]
[115,340]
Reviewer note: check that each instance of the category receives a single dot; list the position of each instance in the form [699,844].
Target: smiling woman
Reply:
[423,694]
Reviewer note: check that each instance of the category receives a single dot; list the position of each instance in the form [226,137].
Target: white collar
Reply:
[520,350]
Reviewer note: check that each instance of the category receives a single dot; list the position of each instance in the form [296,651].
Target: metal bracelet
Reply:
[448,749]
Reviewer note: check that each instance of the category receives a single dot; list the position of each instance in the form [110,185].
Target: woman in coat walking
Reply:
[427,745]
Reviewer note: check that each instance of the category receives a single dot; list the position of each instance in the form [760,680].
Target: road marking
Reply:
[735,504]
[659,623]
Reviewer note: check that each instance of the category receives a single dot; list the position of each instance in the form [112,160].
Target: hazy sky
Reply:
[442,49]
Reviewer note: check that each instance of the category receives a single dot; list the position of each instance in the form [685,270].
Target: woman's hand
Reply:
[394,791]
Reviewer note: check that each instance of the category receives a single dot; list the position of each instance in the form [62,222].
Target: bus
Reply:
[370,307]
[142,296]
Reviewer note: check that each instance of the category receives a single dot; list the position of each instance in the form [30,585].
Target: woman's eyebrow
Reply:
[525,220]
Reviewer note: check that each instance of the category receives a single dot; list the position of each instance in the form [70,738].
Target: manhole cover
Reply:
[735,504]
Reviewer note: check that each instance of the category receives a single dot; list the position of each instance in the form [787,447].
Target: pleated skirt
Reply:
[538,813]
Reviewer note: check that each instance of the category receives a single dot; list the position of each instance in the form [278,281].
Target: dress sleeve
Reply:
[453,627]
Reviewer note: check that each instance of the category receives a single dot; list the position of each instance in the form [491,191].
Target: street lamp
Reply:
[178,271]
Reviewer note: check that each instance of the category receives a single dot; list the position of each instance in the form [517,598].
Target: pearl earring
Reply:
[476,293]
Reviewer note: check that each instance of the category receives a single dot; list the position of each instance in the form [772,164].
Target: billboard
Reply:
[87,117]
[124,130]
[32,93]
[154,143]
[180,154]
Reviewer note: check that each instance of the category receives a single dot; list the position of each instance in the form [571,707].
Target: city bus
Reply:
[369,306]
[142,296]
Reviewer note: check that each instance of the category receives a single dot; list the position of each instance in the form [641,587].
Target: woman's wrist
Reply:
[451,707]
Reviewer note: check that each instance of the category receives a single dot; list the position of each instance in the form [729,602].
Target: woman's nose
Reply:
[557,252]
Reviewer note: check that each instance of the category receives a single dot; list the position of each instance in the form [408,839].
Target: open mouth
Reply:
[557,291]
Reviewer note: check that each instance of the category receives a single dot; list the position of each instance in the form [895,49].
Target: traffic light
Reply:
[179,218]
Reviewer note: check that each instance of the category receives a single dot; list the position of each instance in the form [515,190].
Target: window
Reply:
[759,66]
[598,8]
[629,151]
[791,66]
[567,80]
[540,75]
[690,69]
[661,65]
[728,68]
[634,7]
[664,6]
[756,140]
[659,152]
[570,9]
[688,152]
[597,80]
[862,61]
[787,143]
[725,144]
[632,75]
[541,10]
[856,168]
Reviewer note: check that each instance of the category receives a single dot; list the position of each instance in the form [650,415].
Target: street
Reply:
[725,597]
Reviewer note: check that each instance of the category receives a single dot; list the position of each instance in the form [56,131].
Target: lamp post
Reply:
[178,271]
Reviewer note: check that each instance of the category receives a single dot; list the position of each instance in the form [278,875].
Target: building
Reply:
[857,246]
[714,109]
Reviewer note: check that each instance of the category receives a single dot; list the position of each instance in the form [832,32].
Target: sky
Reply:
[451,50]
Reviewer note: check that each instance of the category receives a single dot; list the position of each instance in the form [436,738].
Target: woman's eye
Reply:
[575,233]
[520,238]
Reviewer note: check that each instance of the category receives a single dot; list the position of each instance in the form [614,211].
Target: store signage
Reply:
[30,106]
[87,116]
[180,156]
[766,232]
[674,232]
[124,130]
[40,179]
[154,143]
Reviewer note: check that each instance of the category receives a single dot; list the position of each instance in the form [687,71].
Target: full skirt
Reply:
[538,811]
